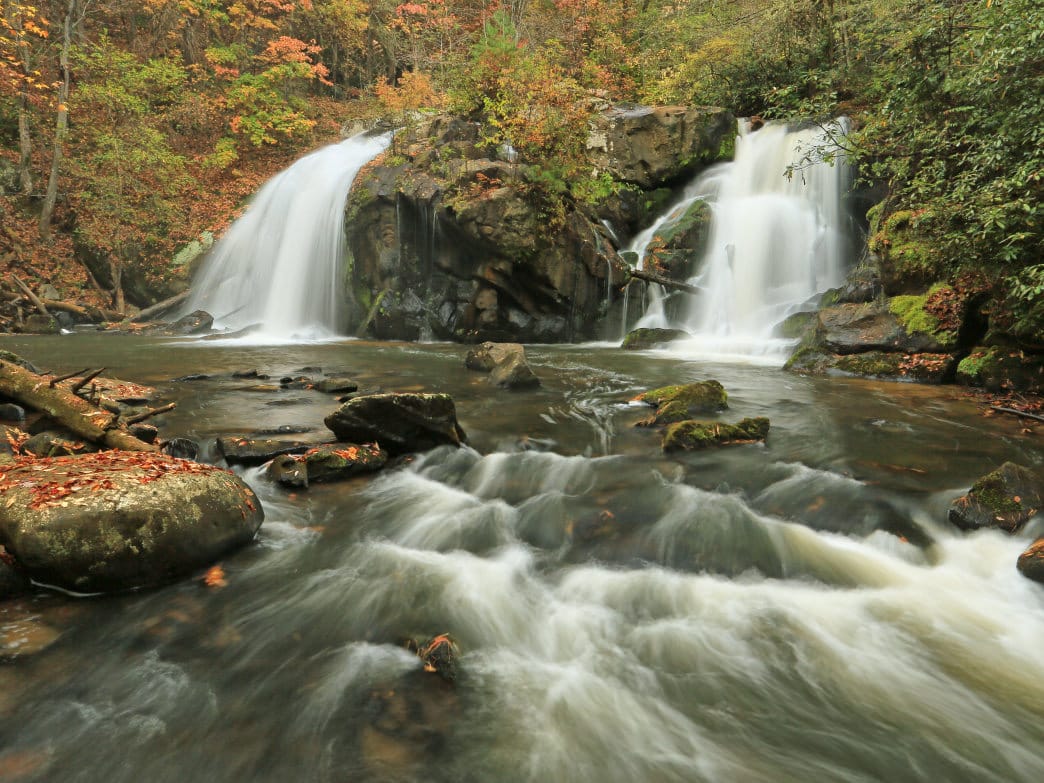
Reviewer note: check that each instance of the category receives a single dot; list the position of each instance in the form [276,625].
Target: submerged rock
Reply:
[119,520]
[691,435]
[506,364]
[399,423]
[1005,499]
[643,339]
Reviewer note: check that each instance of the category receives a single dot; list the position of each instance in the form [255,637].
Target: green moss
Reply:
[873,363]
[912,315]
[691,435]
[702,397]
[641,339]
[974,367]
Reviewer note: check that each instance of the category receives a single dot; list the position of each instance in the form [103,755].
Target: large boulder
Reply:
[683,401]
[1005,498]
[506,364]
[650,145]
[399,423]
[120,520]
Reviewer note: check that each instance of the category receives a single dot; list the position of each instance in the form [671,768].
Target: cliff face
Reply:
[446,242]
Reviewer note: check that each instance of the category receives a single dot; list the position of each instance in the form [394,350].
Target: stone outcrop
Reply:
[399,423]
[506,364]
[120,520]
[648,146]
[446,241]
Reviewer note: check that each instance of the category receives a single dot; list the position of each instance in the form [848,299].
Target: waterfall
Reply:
[279,270]
[775,242]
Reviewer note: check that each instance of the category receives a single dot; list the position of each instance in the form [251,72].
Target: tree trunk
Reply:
[76,414]
[61,125]
[25,146]
[119,302]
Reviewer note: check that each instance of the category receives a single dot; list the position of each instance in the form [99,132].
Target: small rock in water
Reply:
[439,655]
[288,471]
[11,412]
[1005,499]
[336,385]
[254,373]
[183,448]
[299,382]
[194,377]
[643,339]
[690,435]
[1031,562]
[506,364]
[248,451]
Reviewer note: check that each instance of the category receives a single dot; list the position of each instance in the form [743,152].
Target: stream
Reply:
[798,610]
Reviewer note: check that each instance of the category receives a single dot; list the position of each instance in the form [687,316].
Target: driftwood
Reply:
[159,308]
[76,414]
[87,313]
[1016,412]
[32,297]
[148,414]
[666,282]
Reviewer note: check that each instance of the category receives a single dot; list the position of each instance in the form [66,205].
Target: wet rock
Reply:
[439,655]
[1006,499]
[339,461]
[53,444]
[400,423]
[183,448]
[683,401]
[289,472]
[37,323]
[336,385]
[147,433]
[996,369]
[506,364]
[692,435]
[1031,562]
[253,373]
[193,377]
[643,339]
[11,412]
[251,451]
[647,146]
[13,582]
[283,429]
[295,382]
[25,636]
[857,328]
[198,322]
[119,520]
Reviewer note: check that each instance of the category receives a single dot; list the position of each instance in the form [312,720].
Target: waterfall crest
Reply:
[775,242]
[279,269]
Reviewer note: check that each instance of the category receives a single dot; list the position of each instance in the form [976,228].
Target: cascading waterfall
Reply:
[775,242]
[279,269]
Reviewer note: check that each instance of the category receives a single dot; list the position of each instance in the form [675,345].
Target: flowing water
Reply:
[279,269]
[776,241]
[792,611]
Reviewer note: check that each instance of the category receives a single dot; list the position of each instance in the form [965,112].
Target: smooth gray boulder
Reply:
[506,364]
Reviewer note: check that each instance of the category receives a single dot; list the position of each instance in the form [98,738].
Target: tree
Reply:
[23,32]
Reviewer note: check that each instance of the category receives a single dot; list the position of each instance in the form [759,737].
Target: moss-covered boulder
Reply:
[996,368]
[693,435]
[339,461]
[1005,499]
[1031,562]
[646,338]
[119,520]
[400,423]
[683,401]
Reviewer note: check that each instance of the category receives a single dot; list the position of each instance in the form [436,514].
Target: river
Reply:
[793,611]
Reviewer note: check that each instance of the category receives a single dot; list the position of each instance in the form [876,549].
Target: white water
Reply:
[775,243]
[279,269]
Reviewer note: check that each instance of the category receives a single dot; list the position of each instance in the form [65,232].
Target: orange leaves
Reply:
[214,578]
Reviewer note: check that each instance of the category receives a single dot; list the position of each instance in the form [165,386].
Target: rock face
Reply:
[647,146]
[120,520]
[400,423]
[506,364]
[447,244]
[1005,499]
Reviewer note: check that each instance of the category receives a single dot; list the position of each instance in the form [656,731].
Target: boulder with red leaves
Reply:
[117,520]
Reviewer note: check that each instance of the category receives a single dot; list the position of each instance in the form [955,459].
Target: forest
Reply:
[127,128]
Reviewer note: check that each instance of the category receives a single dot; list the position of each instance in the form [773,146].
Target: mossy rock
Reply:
[1005,499]
[644,339]
[915,319]
[700,397]
[339,461]
[692,435]
[996,368]
[796,326]
[875,364]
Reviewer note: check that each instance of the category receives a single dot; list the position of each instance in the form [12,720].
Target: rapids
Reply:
[793,611]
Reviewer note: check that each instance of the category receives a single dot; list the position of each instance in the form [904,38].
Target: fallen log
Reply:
[88,313]
[666,282]
[1016,412]
[76,414]
[158,309]
[32,297]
